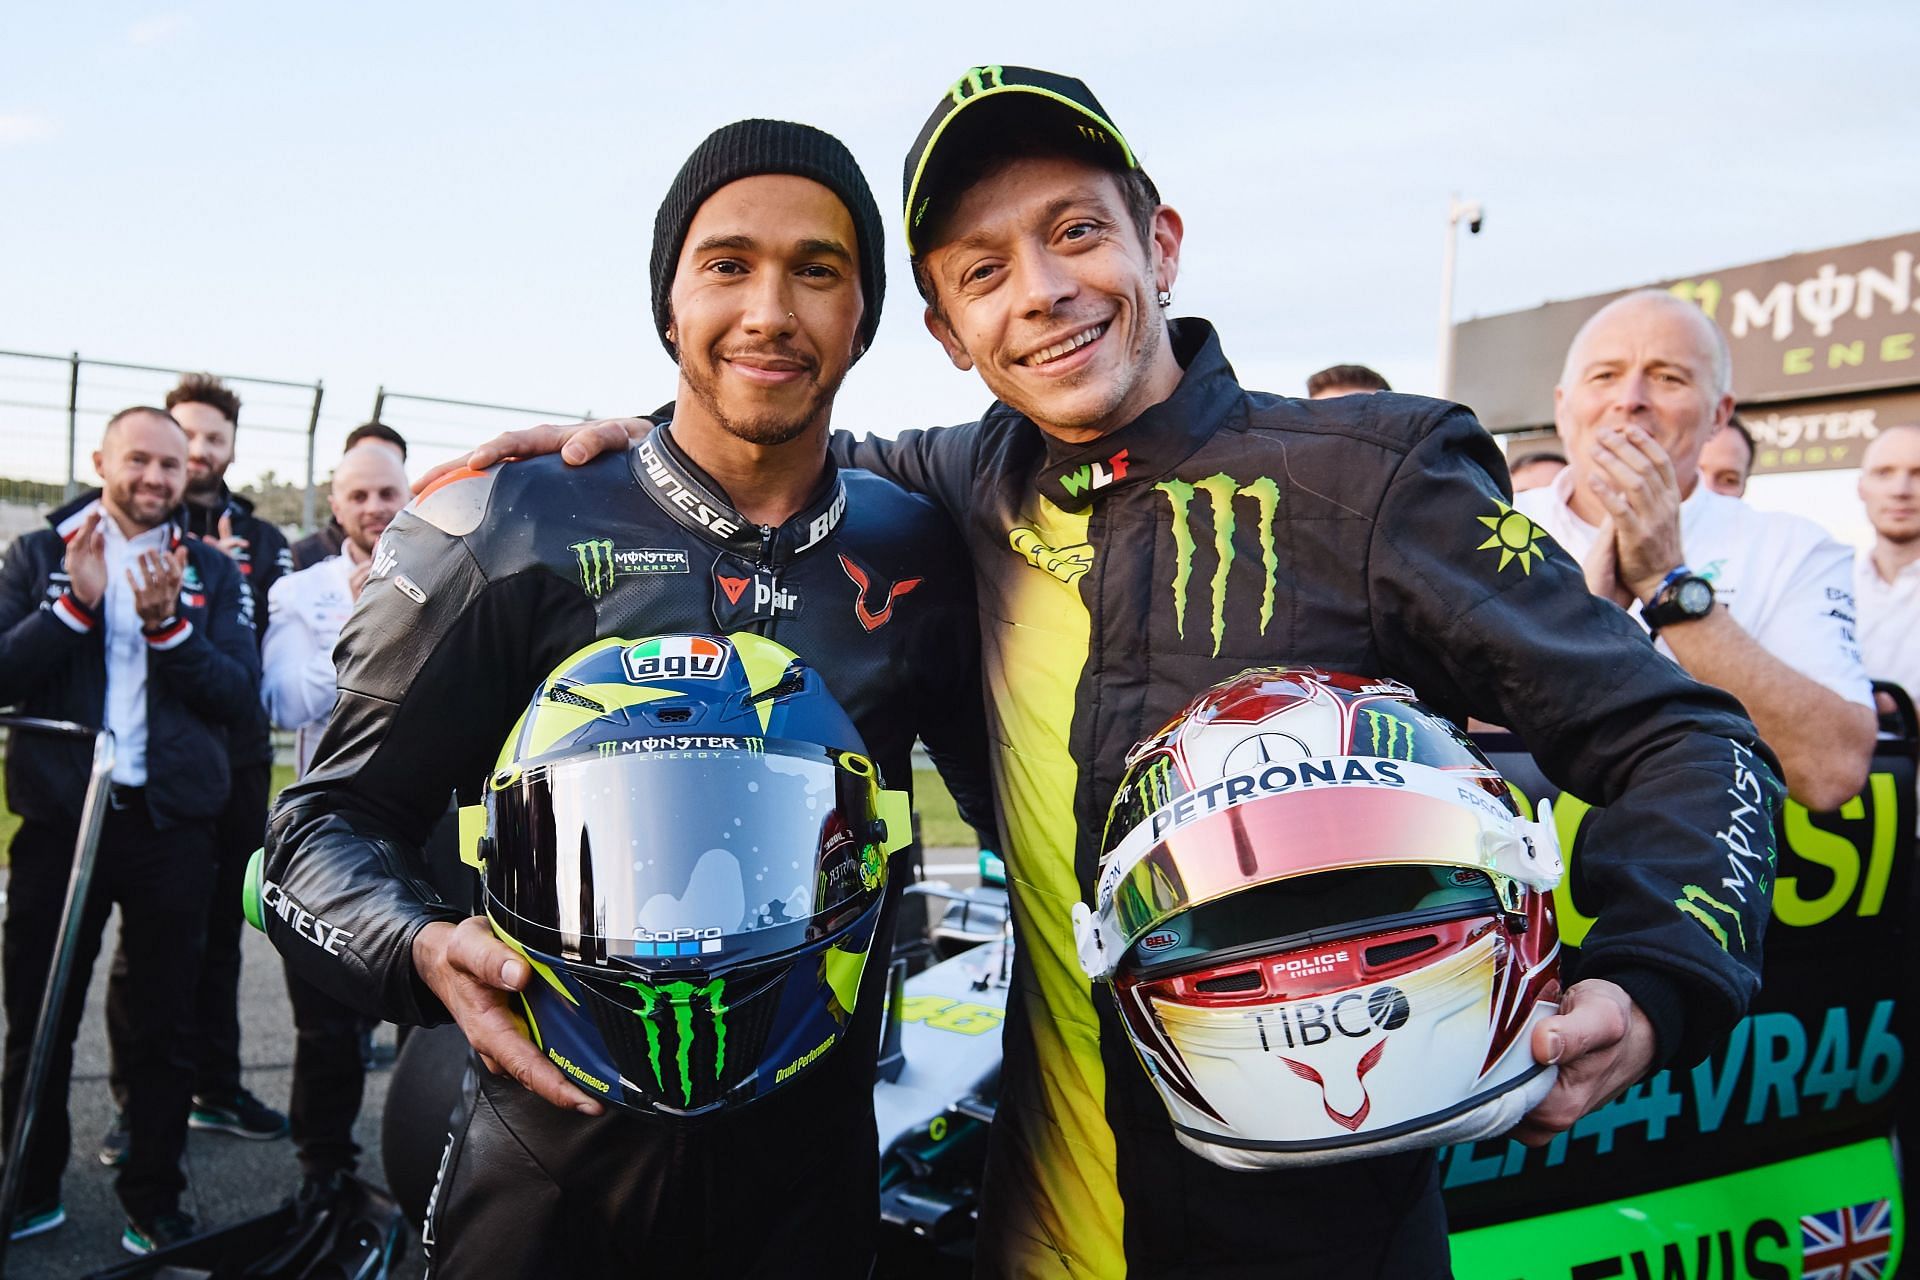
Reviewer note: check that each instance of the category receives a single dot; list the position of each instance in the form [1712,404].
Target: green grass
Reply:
[940,823]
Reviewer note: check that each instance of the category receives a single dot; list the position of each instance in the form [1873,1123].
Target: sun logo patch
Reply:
[1514,536]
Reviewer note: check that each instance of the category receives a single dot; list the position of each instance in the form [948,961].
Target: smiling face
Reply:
[1647,360]
[142,461]
[369,489]
[766,307]
[1043,283]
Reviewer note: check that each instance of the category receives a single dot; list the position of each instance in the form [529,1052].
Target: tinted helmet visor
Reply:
[684,858]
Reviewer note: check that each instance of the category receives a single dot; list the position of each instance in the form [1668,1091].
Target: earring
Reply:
[670,338]
[1164,297]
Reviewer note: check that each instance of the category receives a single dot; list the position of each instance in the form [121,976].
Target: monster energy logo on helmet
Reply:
[678,999]
[595,557]
[1221,491]
[1389,734]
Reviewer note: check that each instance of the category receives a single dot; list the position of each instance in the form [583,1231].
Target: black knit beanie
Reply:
[745,149]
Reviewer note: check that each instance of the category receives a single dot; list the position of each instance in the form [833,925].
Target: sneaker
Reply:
[166,1230]
[240,1114]
[38,1221]
[113,1147]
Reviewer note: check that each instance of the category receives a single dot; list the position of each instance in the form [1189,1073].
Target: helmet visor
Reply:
[1300,819]
[686,857]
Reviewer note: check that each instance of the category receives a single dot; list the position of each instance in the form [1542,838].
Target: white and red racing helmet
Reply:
[1326,924]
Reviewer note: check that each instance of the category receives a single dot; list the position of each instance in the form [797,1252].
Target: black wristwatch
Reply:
[1682,597]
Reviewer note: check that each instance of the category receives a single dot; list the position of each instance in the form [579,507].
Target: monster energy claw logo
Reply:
[977,80]
[1698,903]
[1390,734]
[595,557]
[678,998]
[1221,490]
[1155,785]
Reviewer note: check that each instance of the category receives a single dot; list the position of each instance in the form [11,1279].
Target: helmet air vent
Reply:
[1399,949]
[1231,984]
[563,694]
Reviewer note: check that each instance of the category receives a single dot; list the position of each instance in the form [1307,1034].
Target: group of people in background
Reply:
[163,600]
[164,604]
[1652,477]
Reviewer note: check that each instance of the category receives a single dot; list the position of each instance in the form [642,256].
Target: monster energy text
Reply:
[679,998]
[1221,490]
[600,563]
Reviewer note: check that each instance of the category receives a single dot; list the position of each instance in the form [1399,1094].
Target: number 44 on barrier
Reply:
[1767,1053]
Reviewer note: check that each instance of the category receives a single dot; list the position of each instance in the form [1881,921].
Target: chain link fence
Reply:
[53,406]
[437,428]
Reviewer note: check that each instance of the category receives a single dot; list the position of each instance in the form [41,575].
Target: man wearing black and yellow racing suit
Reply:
[732,518]
[1142,527]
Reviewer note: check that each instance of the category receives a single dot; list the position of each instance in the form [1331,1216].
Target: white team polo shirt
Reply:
[1889,622]
[1785,581]
[305,611]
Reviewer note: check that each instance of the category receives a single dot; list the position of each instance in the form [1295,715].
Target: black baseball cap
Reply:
[999,103]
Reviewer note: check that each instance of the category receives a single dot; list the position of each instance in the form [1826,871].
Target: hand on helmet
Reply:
[578,443]
[475,974]
[1602,1043]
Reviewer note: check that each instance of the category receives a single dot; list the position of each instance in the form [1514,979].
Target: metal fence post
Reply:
[313,430]
[379,403]
[73,423]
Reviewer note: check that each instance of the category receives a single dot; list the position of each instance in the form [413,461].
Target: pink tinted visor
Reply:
[1283,836]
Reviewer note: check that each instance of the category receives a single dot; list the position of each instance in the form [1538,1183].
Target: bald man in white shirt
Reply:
[1758,603]
[307,610]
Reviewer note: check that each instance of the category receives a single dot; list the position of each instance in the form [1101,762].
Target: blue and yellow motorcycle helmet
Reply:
[686,841]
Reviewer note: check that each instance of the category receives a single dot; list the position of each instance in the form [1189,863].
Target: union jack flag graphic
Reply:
[1847,1244]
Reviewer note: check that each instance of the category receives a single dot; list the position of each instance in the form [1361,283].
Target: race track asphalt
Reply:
[229,1178]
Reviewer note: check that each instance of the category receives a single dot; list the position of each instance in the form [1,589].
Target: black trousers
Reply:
[328,1078]
[161,881]
[787,1187]
[236,834]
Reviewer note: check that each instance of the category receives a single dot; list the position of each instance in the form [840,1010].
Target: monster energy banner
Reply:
[1769,1159]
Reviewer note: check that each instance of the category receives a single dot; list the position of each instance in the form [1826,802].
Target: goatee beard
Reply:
[767,430]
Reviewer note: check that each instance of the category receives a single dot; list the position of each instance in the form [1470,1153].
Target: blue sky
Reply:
[458,199]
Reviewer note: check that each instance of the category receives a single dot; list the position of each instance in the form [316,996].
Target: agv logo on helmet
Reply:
[686,840]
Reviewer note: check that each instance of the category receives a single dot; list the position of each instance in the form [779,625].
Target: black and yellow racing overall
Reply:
[477,593]
[1222,529]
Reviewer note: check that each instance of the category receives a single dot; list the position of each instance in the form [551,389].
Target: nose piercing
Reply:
[790,315]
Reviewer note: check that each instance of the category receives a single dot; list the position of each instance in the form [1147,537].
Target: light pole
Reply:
[1474,216]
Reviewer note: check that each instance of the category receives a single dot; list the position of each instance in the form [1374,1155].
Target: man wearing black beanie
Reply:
[593,1148]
